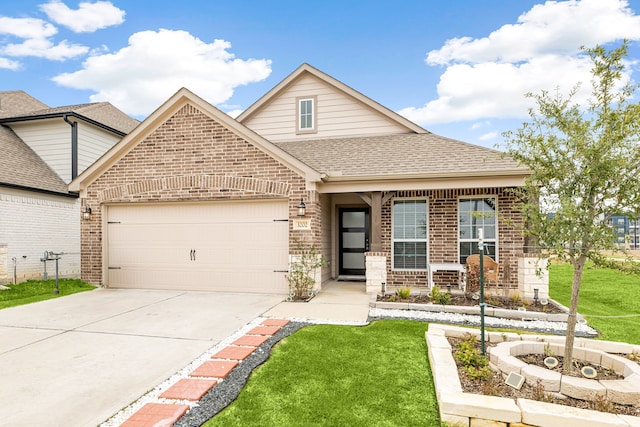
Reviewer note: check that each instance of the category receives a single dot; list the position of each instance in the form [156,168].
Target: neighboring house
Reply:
[193,199]
[42,150]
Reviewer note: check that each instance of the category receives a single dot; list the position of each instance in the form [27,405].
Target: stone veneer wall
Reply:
[443,236]
[191,157]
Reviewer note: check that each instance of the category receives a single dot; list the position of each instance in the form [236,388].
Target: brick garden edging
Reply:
[467,409]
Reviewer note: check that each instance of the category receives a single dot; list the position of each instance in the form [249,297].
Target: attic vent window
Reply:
[306,115]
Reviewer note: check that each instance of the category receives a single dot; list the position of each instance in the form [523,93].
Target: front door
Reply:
[354,240]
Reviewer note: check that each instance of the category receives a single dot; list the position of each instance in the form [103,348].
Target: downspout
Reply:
[74,146]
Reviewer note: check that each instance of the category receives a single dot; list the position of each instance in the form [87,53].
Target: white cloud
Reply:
[139,77]
[488,77]
[26,28]
[44,48]
[8,64]
[88,18]
[488,136]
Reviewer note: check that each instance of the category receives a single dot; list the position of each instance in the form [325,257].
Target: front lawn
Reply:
[375,375]
[604,292]
[40,290]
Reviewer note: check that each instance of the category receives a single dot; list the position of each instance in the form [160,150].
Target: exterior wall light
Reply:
[302,208]
[86,213]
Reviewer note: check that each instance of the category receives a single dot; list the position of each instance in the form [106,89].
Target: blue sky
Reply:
[458,68]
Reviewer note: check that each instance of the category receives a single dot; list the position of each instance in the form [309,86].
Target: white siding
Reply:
[93,142]
[51,140]
[31,224]
[339,115]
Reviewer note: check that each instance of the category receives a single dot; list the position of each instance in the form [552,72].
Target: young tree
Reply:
[585,163]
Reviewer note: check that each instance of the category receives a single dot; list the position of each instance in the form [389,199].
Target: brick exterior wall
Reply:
[443,236]
[191,157]
[32,223]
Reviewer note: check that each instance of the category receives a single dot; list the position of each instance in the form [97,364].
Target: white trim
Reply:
[426,240]
[496,239]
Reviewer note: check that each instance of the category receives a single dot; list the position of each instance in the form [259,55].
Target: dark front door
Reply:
[354,240]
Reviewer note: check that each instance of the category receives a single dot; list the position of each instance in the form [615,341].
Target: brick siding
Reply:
[191,157]
[443,236]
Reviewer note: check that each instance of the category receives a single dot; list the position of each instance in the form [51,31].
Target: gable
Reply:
[340,111]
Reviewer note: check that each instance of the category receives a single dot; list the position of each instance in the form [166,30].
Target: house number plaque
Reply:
[302,224]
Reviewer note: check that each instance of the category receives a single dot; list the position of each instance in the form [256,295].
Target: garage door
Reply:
[222,246]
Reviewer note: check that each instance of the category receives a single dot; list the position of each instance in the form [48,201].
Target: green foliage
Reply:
[336,375]
[439,297]
[475,364]
[585,166]
[40,290]
[301,277]
[403,292]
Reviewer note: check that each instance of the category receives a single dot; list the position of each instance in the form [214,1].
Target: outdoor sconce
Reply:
[86,213]
[302,208]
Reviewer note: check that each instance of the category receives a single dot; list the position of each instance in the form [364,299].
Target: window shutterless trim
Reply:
[425,240]
[492,241]
[314,114]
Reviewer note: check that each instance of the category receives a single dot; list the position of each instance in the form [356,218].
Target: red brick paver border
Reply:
[156,415]
[251,340]
[189,389]
[234,353]
[214,369]
[275,322]
[264,330]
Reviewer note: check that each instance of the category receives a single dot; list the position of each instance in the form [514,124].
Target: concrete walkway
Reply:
[77,360]
[337,302]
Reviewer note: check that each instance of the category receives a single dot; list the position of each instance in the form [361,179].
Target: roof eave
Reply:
[7,120]
[427,176]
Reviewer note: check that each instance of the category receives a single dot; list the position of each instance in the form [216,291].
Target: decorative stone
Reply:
[480,406]
[548,414]
[581,388]
[624,392]
[550,380]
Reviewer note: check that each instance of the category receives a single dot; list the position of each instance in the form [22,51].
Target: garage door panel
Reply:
[204,246]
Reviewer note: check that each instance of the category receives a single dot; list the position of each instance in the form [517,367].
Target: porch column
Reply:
[376,222]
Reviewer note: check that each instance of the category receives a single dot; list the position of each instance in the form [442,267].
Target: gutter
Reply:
[74,146]
[63,115]
[422,176]
[39,190]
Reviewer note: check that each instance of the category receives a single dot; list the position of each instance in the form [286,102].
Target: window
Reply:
[306,114]
[410,234]
[472,215]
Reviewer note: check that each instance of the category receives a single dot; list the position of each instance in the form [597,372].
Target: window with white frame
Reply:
[473,214]
[409,235]
[306,114]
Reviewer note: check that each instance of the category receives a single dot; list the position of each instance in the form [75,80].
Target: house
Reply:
[194,199]
[43,149]
[625,229]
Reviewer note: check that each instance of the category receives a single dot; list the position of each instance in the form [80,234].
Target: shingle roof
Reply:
[392,155]
[21,166]
[101,112]
[18,103]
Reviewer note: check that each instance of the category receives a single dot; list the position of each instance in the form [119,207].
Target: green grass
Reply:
[40,290]
[604,292]
[328,375]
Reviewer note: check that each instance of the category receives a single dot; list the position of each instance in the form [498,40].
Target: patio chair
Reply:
[491,268]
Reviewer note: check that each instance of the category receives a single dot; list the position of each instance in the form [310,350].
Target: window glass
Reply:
[410,234]
[474,214]
[306,114]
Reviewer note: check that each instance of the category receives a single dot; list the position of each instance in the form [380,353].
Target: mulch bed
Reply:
[495,386]
[491,301]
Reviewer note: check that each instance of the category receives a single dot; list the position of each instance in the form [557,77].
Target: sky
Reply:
[457,68]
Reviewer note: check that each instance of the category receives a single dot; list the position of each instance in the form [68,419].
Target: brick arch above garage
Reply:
[188,157]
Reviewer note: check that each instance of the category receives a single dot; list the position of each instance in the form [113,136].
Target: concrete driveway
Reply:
[77,360]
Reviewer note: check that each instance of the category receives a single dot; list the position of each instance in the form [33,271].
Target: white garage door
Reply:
[221,246]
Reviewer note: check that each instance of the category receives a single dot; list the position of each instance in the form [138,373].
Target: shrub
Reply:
[301,276]
[439,297]
[473,363]
[404,292]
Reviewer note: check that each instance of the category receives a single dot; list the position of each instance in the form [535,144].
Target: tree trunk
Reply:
[578,267]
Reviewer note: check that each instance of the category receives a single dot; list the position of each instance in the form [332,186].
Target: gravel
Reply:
[228,390]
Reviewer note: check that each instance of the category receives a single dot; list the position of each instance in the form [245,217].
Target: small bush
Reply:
[473,363]
[404,292]
[439,297]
